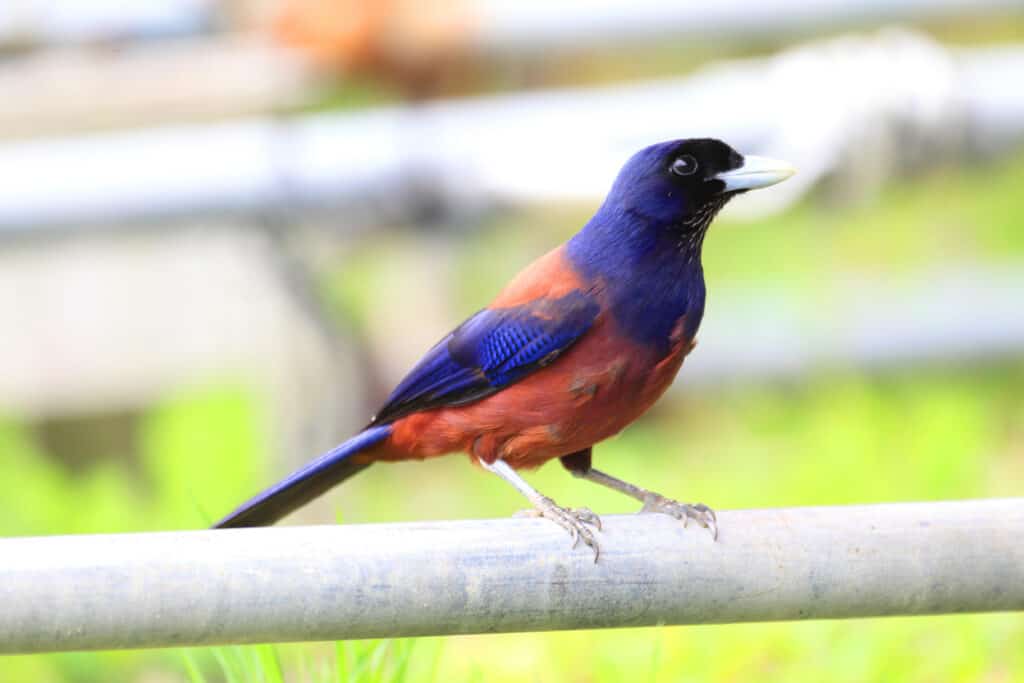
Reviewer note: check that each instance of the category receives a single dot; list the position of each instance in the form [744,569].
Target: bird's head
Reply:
[643,246]
[683,183]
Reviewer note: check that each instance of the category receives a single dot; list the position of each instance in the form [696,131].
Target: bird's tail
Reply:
[305,484]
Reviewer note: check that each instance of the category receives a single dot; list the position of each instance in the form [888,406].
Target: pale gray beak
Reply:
[756,172]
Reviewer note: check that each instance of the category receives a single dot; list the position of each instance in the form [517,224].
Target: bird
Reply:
[576,346]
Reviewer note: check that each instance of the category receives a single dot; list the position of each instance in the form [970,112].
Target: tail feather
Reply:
[304,485]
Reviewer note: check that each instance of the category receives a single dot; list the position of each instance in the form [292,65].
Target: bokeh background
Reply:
[227,228]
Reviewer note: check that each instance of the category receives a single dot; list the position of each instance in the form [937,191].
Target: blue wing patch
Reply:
[494,348]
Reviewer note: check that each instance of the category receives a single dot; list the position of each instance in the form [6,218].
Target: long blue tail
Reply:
[302,486]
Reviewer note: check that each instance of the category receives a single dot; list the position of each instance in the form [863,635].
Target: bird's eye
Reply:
[684,165]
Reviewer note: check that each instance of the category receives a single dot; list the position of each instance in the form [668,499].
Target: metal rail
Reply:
[317,583]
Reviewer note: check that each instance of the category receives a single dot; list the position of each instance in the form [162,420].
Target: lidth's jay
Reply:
[578,345]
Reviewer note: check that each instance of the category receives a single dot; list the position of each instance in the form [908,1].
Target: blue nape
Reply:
[652,277]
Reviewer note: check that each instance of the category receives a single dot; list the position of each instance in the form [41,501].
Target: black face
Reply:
[673,181]
[694,164]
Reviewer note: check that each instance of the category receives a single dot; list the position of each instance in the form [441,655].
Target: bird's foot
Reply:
[698,512]
[573,520]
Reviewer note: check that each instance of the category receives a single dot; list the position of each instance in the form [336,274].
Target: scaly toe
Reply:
[698,512]
[573,521]
[587,516]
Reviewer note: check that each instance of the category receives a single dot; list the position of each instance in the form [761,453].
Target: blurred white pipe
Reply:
[995,98]
[948,315]
[513,25]
[814,106]
[44,21]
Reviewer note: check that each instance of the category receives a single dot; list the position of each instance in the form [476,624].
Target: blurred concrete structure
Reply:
[70,90]
[115,321]
[110,325]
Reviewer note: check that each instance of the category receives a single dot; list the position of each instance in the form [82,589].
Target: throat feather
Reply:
[691,230]
[649,271]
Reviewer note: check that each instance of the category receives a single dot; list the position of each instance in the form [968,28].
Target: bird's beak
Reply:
[756,172]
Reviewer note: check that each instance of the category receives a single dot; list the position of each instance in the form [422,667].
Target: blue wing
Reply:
[494,348]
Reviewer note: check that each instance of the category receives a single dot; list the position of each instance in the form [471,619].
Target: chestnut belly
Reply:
[589,394]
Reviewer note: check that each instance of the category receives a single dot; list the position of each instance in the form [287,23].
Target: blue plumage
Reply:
[650,285]
[313,479]
[644,243]
[489,351]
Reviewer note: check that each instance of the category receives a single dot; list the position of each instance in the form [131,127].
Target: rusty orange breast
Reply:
[603,383]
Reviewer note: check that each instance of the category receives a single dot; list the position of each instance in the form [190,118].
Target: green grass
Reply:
[384,661]
[201,452]
[254,664]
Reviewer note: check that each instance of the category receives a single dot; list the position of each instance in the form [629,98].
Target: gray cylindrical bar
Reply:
[318,583]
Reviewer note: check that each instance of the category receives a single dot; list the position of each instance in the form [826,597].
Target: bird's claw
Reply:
[698,512]
[587,516]
[573,520]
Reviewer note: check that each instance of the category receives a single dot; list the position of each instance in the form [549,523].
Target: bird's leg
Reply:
[573,521]
[579,465]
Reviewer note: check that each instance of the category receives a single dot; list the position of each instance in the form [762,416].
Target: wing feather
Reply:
[492,349]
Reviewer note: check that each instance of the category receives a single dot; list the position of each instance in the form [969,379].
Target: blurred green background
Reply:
[840,433]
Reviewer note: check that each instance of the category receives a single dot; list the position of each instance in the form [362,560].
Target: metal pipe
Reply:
[434,578]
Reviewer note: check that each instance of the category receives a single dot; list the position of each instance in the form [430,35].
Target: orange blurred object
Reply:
[398,38]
